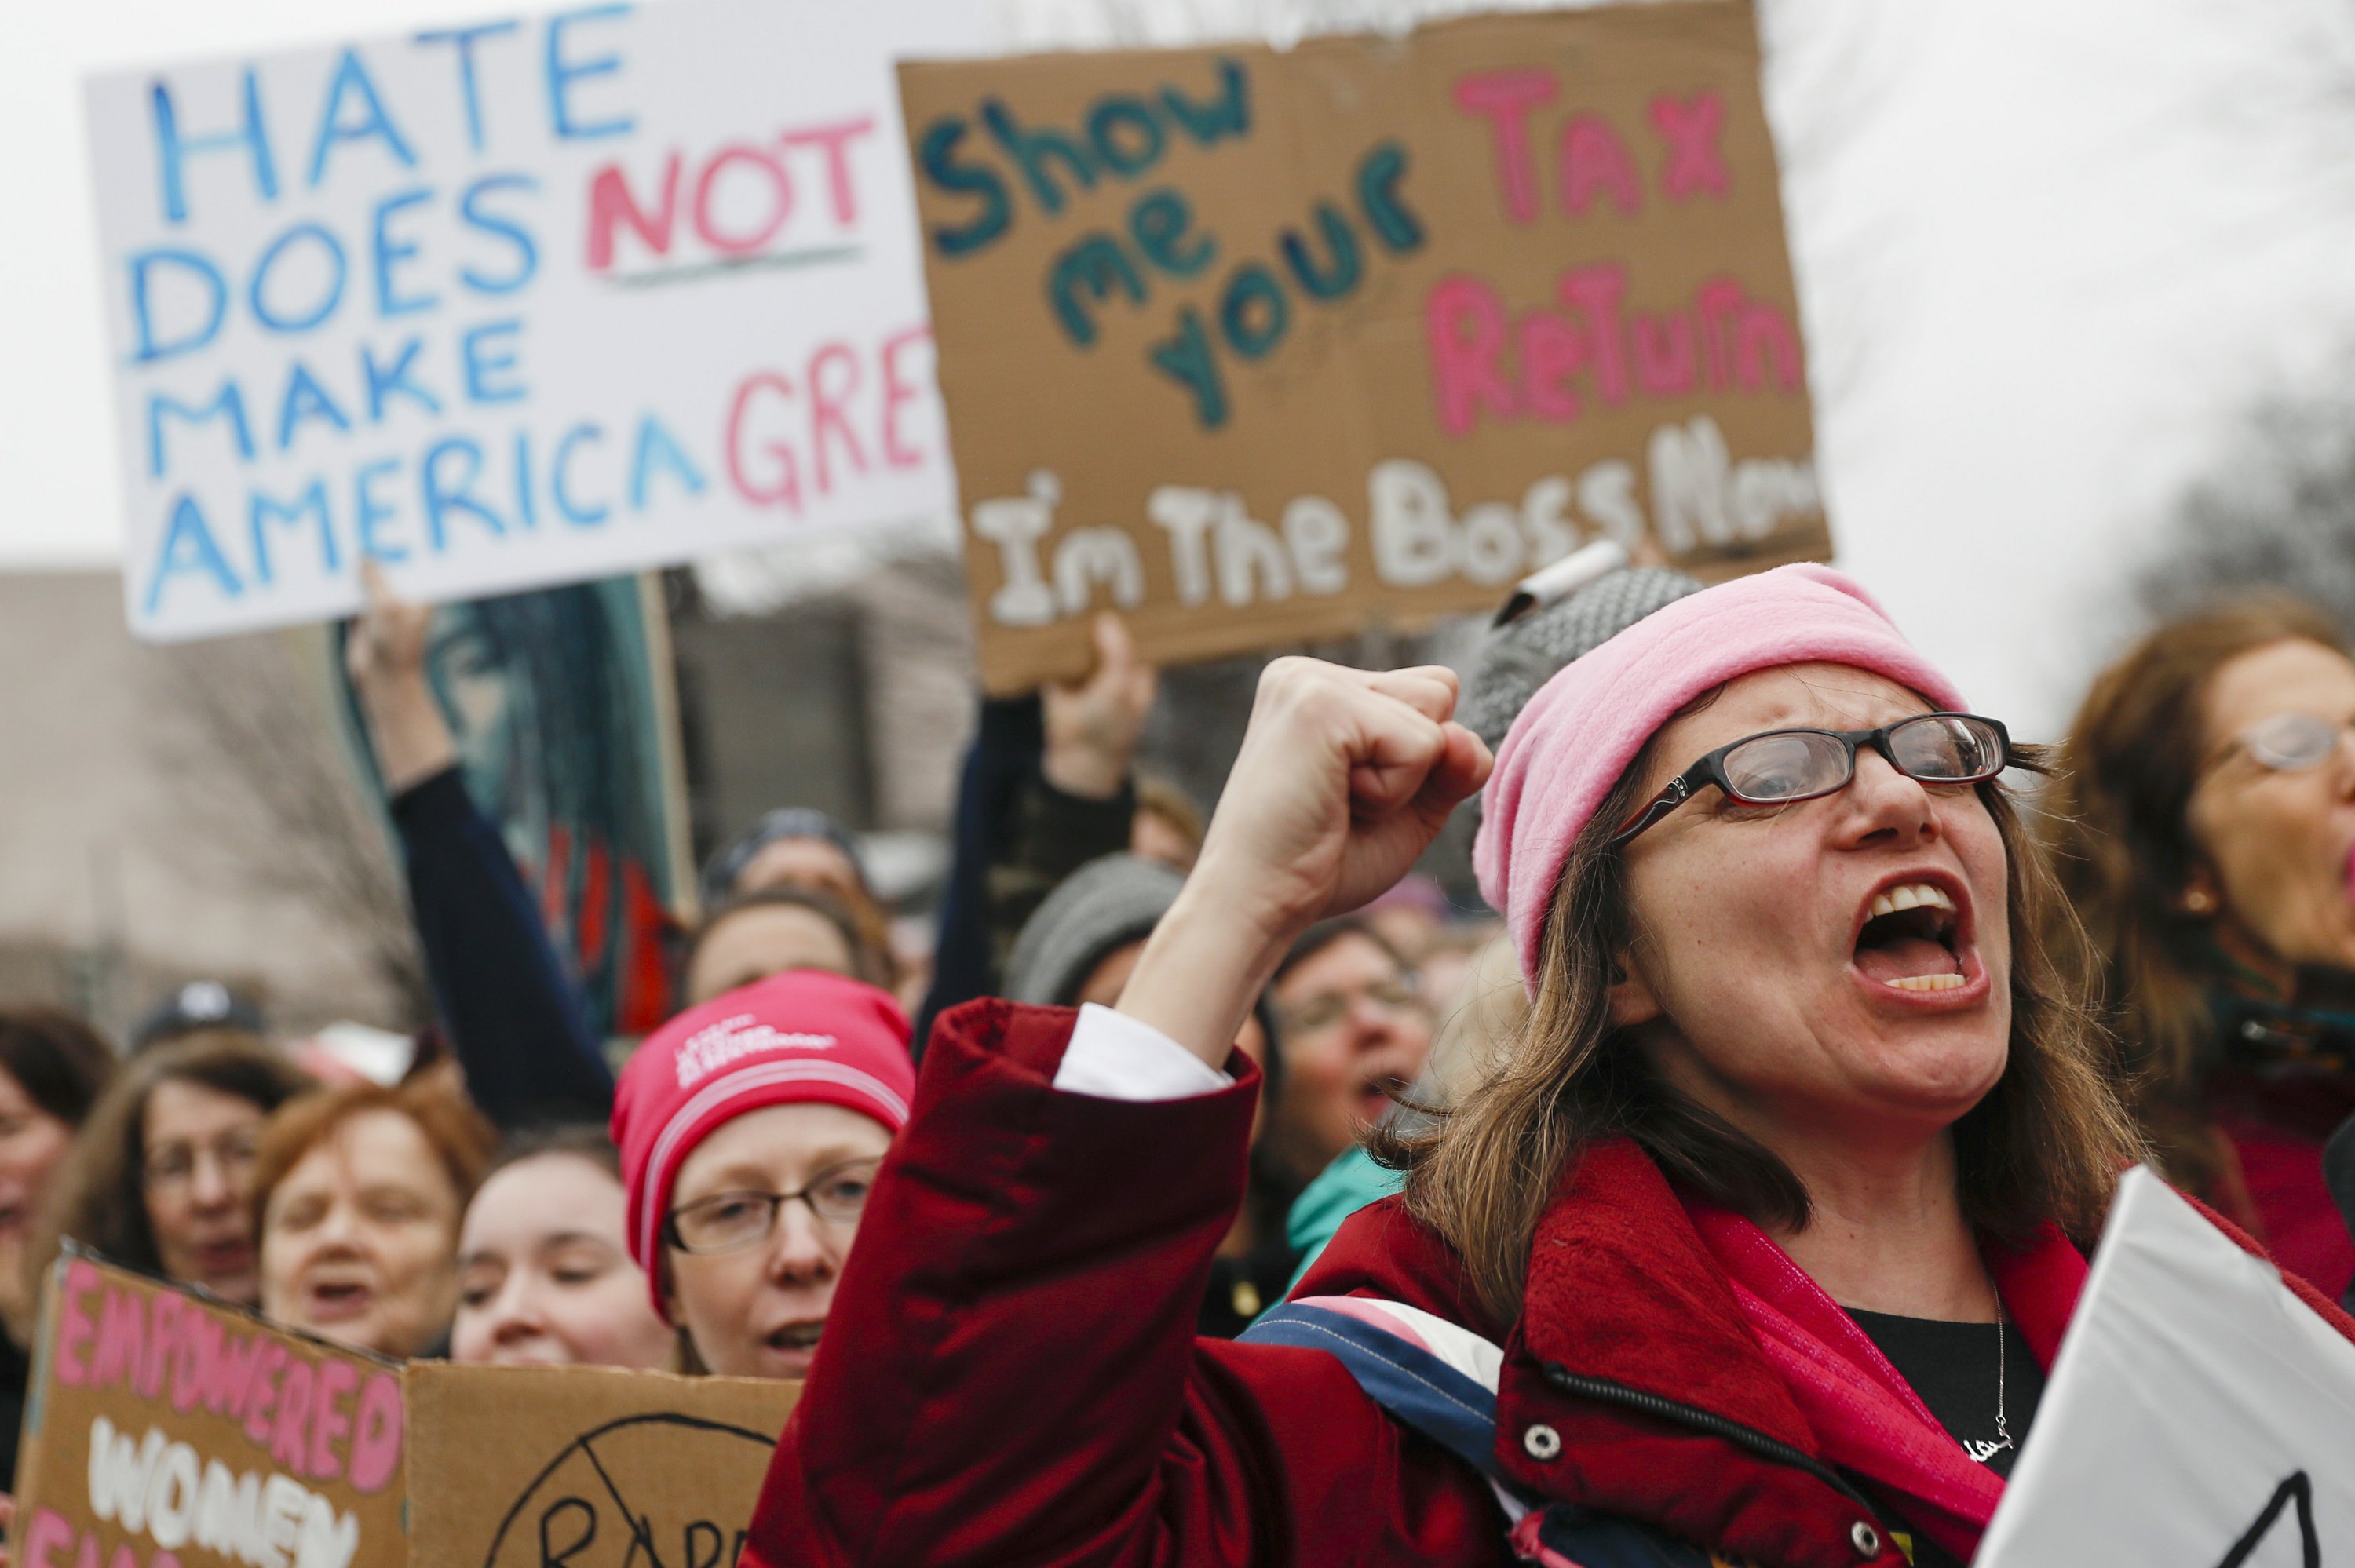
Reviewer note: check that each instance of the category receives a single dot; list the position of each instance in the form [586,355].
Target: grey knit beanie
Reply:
[1107,903]
[1524,654]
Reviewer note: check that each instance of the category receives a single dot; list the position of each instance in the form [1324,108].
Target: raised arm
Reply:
[1046,788]
[1009,1373]
[514,1016]
[1078,801]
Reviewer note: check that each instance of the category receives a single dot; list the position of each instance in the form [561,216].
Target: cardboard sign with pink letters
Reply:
[1260,346]
[165,1429]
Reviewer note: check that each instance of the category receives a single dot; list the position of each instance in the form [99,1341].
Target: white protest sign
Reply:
[533,301]
[2201,1415]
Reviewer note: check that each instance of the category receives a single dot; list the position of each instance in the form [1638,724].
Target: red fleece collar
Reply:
[1621,1288]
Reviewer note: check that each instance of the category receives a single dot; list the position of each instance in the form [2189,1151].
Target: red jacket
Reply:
[1010,1375]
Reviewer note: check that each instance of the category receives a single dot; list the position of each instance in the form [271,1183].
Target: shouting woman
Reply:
[1756,1244]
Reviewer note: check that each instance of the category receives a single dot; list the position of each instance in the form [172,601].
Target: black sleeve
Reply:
[1047,836]
[513,1014]
[1006,745]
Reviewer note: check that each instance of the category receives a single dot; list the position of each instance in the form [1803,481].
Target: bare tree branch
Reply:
[2278,514]
[255,709]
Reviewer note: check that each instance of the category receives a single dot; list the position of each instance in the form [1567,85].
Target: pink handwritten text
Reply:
[318,1417]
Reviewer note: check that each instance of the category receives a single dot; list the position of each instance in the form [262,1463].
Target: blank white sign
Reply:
[2200,1414]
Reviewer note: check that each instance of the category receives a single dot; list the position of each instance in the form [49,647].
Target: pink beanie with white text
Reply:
[805,1035]
[1583,727]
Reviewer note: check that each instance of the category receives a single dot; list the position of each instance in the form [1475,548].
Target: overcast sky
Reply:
[2049,251]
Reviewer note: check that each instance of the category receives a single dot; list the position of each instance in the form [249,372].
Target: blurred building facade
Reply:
[172,813]
[136,852]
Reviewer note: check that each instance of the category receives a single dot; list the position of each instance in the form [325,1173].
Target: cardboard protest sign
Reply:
[2200,1413]
[534,301]
[1260,346]
[524,1467]
[166,1428]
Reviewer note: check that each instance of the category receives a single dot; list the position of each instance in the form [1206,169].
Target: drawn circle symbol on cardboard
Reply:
[584,1510]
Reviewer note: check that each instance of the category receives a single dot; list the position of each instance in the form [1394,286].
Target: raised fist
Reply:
[1344,778]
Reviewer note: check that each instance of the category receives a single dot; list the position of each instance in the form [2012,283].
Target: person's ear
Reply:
[670,1293]
[1633,1003]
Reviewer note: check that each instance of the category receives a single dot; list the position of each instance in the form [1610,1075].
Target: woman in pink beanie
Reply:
[751,1128]
[1753,1247]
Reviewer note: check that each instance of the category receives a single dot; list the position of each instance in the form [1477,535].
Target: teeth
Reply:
[1927,982]
[1909,896]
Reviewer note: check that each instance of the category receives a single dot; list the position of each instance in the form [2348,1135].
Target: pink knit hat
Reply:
[1578,735]
[805,1034]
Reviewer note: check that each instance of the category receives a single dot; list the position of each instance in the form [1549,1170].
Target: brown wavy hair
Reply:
[59,1061]
[2122,847]
[2045,1144]
[99,1195]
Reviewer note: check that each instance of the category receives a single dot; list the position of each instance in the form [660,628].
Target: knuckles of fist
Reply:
[1388,735]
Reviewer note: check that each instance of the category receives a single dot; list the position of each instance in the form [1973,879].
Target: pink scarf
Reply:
[1866,1417]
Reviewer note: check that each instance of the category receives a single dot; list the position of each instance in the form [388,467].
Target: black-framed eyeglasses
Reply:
[726,1221]
[1784,766]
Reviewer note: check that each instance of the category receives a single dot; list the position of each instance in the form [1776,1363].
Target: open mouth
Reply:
[219,1258]
[1911,941]
[795,1338]
[1375,1096]
[222,1253]
[338,1300]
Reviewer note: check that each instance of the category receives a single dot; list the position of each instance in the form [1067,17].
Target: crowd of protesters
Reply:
[1736,1169]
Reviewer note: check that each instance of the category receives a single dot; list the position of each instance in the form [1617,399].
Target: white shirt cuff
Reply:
[1115,1057]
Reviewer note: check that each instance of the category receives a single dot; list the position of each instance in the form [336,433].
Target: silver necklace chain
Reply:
[2002,1426]
[1979,1449]
[1981,1452]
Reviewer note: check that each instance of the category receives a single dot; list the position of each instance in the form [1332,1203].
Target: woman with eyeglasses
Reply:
[1353,1028]
[750,1127]
[1754,1246]
[162,1176]
[2206,819]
